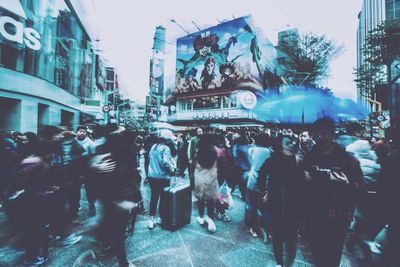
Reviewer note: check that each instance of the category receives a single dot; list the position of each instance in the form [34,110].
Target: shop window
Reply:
[229,102]
[209,102]
[233,102]
[64,57]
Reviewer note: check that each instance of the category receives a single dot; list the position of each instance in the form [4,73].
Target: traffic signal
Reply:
[110,98]
[117,99]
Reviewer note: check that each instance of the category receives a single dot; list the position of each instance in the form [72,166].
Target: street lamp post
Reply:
[174,21]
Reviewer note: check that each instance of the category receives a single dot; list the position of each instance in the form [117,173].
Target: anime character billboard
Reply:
[224,57]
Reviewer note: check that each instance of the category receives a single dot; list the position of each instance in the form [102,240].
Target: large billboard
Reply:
[229,56]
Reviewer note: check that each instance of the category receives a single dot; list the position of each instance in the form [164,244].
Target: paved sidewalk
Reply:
[232,245]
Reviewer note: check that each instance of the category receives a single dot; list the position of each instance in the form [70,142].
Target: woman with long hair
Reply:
[206,180]
[281,178]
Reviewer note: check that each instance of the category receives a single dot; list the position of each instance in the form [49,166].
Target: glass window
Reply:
[233,102]
[182,105]
[209,102]
[229,102]
[189,105]
[51,46]
[225,102]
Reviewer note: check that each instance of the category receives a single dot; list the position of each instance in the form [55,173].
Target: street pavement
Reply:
[232,245]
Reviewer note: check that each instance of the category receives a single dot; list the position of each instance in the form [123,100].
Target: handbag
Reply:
[224,196]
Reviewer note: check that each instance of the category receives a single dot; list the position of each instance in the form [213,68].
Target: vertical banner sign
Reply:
[156,76]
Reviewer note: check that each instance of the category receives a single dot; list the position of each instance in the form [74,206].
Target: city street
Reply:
[293,104]
[232,245]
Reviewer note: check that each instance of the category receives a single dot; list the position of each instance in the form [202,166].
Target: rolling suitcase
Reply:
[176,206]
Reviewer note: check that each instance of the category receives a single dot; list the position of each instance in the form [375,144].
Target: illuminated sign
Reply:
[248,100]
[14,30]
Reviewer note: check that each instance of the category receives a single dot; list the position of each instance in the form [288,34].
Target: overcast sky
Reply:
[126,29]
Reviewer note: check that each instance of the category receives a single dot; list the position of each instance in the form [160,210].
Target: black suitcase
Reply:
[176,206]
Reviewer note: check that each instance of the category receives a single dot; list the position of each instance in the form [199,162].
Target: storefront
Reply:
[223,108]
[221,72]
[46,65]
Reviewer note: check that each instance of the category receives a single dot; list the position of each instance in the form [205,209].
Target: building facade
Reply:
[47,65]
[221,73]
[374,12]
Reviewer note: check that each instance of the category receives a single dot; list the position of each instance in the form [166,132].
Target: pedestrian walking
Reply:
[206,181]
[281,178]
[333,178]
[258,154]
[192,151]
[115,166]
[161,168]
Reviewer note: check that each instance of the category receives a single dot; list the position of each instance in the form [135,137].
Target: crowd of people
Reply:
[329,190]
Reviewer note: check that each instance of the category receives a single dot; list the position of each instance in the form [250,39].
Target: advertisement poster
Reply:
[156,76]
[229,56]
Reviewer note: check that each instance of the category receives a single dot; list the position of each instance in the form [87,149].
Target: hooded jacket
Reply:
[162,165]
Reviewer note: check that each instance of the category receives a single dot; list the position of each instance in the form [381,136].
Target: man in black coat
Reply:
[389,200]
[333,178]
[117,183]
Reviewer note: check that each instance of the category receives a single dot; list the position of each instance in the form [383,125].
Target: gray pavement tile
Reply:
[232,245]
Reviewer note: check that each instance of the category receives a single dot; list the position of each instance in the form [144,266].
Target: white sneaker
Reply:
[151,224]
[375,248]
[159,221]
[212,228]
[200,220]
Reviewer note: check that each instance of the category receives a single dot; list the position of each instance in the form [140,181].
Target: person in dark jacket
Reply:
[390,199]
[60,158]
[192,151]
[74,166]
[182,159]
[240,152]
[32,188]
[281,177]
[117,188]
[8,164]
[333,179]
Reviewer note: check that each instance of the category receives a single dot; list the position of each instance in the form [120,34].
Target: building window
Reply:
[229,102]
[64,57]
[208,102]
[185,105]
